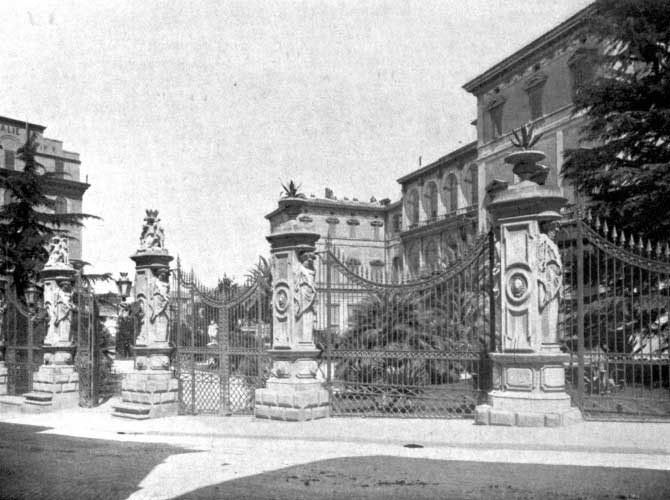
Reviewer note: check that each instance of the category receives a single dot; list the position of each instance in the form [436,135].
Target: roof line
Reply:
[449,156]
[570,24]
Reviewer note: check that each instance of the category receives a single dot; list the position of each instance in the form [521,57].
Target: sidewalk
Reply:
[247,446]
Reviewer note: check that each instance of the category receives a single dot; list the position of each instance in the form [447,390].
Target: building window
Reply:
[60,206]
[353,224]
[9,160]
[534,87]
[431,255]
[495,115]
[582,68]
[412,207]
[397,223]
[470,186]
[431,200]
[535,102]
[377,229]
[451,193]
[397,268]
[414,258]
[60,168]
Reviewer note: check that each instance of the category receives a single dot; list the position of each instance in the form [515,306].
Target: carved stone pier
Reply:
[293,391]
[56,383]
[528,373]
[150,390]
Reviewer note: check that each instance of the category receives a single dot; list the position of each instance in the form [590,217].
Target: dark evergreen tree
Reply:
[26,227]
[623,166]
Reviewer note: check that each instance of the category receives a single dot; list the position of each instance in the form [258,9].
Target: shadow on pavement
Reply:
[36,466]
[380,477]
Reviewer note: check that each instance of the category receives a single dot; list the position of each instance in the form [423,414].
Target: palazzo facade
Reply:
[65,188]
[442,205]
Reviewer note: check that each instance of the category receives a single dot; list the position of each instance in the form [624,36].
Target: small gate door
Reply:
[87,358]
[220,335]
[24,332]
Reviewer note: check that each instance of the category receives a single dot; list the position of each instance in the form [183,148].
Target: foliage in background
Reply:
[623,165]
[25,227]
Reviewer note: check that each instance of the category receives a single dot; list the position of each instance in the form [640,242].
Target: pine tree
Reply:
[623,166]
[26,227]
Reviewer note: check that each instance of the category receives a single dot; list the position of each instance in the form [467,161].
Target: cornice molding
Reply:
[530,50]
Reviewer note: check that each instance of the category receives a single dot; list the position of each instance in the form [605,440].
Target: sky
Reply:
[201,109]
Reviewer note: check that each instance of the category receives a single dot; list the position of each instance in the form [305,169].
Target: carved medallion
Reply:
[518,285]
[281,298]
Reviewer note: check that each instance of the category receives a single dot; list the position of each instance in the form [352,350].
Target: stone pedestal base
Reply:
[293,393]
[59,354]
[152,358]
[148,394]
[529,391]
[3,378]
[54,387]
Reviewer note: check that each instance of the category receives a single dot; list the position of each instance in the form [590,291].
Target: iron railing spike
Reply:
[622,238]
[648,248]
[667,251]
[605,229]
[614,234]
[597,225]
[640,243]
[588,216]
[631,242]
[659,250]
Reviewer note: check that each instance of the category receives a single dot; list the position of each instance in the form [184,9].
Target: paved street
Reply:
[89,454]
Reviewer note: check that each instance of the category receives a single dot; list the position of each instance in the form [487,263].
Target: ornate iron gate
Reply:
[220,334]
[24,330]
[86,332]
[614,321]
[416,348]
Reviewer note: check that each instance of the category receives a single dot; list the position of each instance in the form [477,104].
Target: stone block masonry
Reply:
[148,394]
[3,379]
[54,387]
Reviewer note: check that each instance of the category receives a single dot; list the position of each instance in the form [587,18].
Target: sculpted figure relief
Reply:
[58,252]
[153,236]
[305,296]
[60,314]
[550,281]
[160,299]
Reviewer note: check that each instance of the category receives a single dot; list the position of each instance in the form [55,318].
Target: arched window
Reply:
[470,189]
[397,268]
[451,193]
[60,206]
[431,254]
[412,207]
[430,200]
[414,258]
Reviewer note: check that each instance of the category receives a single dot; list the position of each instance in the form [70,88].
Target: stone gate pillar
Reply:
[56,383]
[293,391]
[150,390]
[528,372]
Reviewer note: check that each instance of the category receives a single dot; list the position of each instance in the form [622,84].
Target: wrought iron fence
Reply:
[24,331]
[614,321]
[417,348]
[220,334]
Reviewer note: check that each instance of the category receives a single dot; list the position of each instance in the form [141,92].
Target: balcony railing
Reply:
[449,216]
